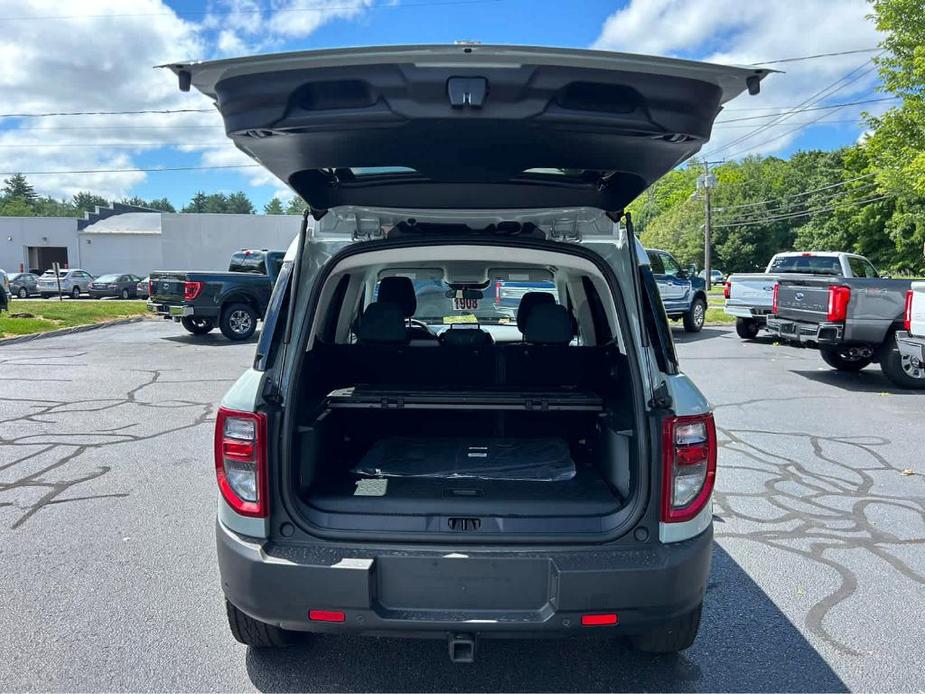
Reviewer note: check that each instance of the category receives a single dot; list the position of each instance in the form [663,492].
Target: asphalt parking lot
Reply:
[109,578]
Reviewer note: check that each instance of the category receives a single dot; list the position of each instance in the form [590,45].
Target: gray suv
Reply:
[388,468]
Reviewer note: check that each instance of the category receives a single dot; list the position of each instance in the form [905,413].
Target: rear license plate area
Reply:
[463,584]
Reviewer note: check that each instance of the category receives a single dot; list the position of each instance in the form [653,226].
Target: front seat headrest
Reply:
[549,324]
[398,291]
[528,302]
[382,324]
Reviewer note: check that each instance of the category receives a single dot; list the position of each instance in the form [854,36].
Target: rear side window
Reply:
[861,267]
[807,264]
[275,320]
[655,262]
[245,261]
[657,323]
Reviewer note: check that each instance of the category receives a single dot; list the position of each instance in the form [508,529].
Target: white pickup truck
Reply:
[749,296]
[911,341]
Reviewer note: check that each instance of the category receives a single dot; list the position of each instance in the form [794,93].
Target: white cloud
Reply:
[94,61]
[736,32]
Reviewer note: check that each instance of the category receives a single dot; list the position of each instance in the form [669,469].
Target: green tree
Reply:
[197,204]
[86,201]
[239,203]
[16,186]
[47,206]
[275,206]
[162,204]
[15,207]
[296,206]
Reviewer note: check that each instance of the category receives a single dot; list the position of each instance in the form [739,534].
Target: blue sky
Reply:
[97,55]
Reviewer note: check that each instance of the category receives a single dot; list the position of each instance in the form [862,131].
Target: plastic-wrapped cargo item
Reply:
[516,459]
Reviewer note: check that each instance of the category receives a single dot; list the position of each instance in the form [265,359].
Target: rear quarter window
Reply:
[253,263]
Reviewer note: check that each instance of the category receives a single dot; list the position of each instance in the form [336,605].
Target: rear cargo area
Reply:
[400,453]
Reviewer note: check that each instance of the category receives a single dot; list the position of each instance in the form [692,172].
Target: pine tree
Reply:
[16,186]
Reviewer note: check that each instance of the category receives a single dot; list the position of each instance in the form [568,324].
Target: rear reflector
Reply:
[599,620]
[907,314]
[327,616]
[774,299]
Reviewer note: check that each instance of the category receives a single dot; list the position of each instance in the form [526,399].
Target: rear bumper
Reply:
[178,311]
[430,592]
[102,293]
[806,333]
[909,346]
[757,313]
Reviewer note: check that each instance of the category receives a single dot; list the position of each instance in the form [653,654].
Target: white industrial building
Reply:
[123,239]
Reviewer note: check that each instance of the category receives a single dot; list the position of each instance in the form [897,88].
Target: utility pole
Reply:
[706,183]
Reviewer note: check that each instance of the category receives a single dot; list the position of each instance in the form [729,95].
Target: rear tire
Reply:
[837,361]
[695,317]
[22,293]
[672,637]
[250,632]
[75,293]
[902,371]
[238,322]
[124,294]
[197,326]
[747,328]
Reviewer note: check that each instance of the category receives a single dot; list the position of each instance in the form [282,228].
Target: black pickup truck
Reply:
[233,300]
[851,321]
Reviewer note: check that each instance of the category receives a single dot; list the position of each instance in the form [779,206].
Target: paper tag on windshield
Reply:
[371,487]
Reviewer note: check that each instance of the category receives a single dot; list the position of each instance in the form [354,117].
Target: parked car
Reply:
[716,276]
[911,339]
[508,293]
[749,295]
[4,291]
[23,285]
[852,321]
[342,505]
[233,300]
[141,289]
[683,296]
[115,285]
[74,282]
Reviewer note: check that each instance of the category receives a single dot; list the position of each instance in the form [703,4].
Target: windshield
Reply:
[439,303]
[807,264]
[108,278]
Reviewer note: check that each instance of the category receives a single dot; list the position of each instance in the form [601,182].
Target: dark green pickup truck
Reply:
[234,300]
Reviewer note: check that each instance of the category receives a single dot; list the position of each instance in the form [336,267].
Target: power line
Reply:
[109,128]
[152,170]
[797,109]
[818,55]
[805,122]
[802,214]
[110,145]
[107,113]
[761,214]
[797,195]
[823,93]
[257,11]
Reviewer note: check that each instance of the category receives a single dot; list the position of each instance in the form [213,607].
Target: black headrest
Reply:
[549,324]
[382,324]
[399,291]
[528,302]
[465,337]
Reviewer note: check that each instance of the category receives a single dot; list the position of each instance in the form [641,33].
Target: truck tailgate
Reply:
[804,300]
[752,290]
[167,286]
[917,313]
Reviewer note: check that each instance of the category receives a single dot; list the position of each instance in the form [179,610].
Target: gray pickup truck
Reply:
[749,295]
[851,321]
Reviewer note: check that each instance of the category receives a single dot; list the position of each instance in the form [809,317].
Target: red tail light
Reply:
[240,460]
[907,314]
[774,300]
[839,296]
[599,620]
[498,292]
[191,290]
[689,466]
[327,615]
[727,290]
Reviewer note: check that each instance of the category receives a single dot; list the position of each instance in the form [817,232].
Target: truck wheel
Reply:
[694,318]
[197,326]
[238,322]
[747,328]
[841,362]
[672,637]
[904,371]
[250,632]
